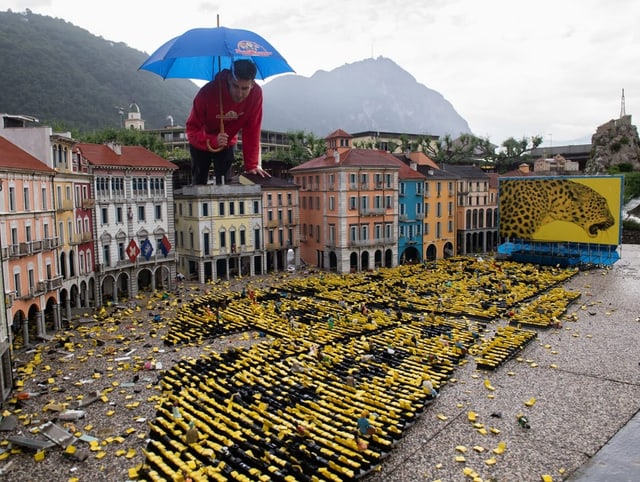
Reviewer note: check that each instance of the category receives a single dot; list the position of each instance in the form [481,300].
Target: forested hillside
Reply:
[67,77]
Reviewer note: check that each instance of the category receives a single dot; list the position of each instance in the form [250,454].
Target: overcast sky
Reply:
[511,68]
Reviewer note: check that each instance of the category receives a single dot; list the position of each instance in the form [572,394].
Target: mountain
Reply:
[62,74]
[67,77]
[372,94]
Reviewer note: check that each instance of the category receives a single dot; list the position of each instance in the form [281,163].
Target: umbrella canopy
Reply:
[200,53]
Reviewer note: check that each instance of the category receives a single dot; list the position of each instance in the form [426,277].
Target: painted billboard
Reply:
[561,209]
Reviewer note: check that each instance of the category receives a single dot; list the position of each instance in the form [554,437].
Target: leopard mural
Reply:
[527,205]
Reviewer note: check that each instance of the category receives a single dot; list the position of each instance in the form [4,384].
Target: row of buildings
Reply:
[85,224]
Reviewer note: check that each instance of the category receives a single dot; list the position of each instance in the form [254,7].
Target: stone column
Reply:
[57,322]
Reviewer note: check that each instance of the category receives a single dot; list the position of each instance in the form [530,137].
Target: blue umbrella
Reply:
[201,53]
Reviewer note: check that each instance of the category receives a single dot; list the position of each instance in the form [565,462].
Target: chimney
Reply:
[115,147]
[336,156]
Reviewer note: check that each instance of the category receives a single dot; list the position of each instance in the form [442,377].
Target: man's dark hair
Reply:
[244,69]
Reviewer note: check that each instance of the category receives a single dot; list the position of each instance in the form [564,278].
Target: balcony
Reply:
[54,283]
[51,243]
[372,211]
[88,203]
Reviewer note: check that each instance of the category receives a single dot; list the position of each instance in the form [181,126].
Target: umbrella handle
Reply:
[218,149]
[211,149]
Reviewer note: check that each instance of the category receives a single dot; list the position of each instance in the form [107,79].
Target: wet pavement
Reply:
[618,460]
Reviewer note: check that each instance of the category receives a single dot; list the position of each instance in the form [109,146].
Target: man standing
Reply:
[224,106]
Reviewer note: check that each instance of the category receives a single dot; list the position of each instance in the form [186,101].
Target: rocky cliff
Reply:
[613,144]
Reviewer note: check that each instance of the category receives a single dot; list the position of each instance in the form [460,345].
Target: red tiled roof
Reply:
[12,157]
[407,173]
[351,158]
[339,133]
[132,156]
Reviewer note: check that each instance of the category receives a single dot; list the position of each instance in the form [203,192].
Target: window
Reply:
[256,207]
[243,237]
[332,203]
[158,212]
[121,251]
[269,199]
[232,208]
[119,215]
[141,214]
[106,255]
[332,233]
[289,216]
[388,231]
[279,199]
[17,284]
[25,193]
[44,198]
[223,239]
[364,232]
[205,209]
[220,209]
[190,209]
[289,202]
[241,208]
[364,204]
[104,216]
[206,244]
[353,202]
[438,209]
[353,232]
[256,238]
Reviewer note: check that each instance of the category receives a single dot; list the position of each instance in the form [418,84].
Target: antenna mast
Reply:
[622,110]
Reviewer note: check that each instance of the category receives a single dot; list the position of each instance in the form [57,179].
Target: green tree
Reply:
[515,152]
[304,146]
[127,137]
[466,149]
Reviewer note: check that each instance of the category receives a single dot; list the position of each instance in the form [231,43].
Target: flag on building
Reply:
[147,249]
[132,251]
[165,245]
